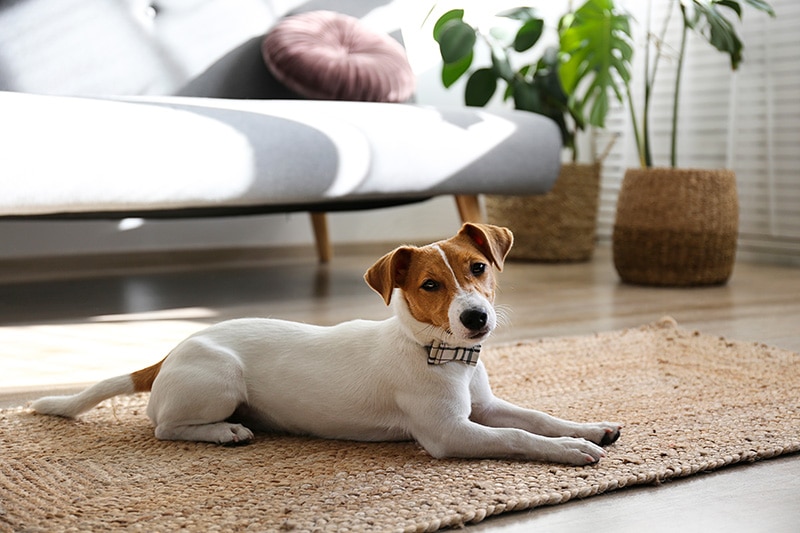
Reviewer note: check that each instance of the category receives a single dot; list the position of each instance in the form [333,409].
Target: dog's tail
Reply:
[71,406]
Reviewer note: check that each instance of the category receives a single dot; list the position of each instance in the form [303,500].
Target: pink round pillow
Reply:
[330,56]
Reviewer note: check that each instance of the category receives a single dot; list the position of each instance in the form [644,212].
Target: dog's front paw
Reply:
[611,435]
[577,451]
[602,433]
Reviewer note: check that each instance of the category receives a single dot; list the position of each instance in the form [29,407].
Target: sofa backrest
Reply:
[137,47]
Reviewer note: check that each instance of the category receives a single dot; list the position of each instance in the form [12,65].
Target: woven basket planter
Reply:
[557,226]
[676,227]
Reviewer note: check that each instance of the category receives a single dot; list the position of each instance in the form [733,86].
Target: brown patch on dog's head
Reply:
[494,242]
[390,271]
[429,281]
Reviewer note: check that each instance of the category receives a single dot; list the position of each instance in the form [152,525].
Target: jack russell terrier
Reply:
[415,375]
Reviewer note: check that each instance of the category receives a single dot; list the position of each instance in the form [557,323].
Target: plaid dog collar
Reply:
[440,353]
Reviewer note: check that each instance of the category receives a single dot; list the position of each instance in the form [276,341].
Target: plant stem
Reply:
[636,133]
[675,98]
[645,156]
[659,41]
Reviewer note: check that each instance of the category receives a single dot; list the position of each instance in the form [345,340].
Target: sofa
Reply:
[127,108]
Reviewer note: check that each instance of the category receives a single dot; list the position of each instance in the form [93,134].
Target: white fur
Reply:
[360,380]
[76,404]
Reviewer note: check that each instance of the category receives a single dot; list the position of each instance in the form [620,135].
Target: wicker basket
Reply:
[557,226]
[676,227]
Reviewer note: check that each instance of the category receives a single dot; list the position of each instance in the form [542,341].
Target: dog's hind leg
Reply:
[194,400]
[219,433]
[200,415]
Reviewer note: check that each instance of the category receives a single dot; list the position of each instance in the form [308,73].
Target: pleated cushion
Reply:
[330,56]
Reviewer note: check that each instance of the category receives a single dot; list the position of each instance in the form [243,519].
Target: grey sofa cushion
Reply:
[140,154]
[120,47]
[240,73]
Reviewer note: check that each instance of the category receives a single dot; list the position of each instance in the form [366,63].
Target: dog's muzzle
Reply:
[471,317]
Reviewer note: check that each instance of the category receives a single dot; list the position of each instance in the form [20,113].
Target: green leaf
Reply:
[707,19]
[596,57]
[623,71]
[761,6]
[481,86]
[502,67]
[508,93]
[718,31]
[453,14]
[599,110]
[451,72]
[456,40]
[732,4]
[531,96]
[565,21]
[528,35]
[546,79]
[624,51]
[526,97]
[574,68]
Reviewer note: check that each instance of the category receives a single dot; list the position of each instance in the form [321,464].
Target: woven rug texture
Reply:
[689,402]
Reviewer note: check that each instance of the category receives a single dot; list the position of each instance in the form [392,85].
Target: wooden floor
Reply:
[57,334]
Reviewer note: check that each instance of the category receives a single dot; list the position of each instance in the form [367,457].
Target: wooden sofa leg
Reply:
[324,249]
[469,208]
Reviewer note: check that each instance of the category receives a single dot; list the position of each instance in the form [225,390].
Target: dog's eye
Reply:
[430,285]
[478,268]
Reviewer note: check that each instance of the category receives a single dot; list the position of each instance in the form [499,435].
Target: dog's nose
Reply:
[474,319]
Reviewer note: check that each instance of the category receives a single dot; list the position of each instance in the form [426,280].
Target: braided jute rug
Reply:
[690,402]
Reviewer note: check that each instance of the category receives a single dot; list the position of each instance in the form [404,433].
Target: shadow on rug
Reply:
[690,402]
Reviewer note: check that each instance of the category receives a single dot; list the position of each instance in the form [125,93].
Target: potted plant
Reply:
[677,226]
[572,84]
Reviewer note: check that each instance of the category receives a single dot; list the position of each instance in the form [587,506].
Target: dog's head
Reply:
[445,291]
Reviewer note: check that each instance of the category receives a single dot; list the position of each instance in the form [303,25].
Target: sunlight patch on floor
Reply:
[58,354]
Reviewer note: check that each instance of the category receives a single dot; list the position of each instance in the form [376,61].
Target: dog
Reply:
[416,375]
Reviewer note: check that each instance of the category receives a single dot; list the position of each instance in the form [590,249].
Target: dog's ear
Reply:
[389,272]
[493,241]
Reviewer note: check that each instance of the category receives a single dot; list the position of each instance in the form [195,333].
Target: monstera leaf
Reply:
[707,18]
[596,49]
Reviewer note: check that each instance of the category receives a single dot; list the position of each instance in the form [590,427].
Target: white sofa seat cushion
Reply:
[144,154]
